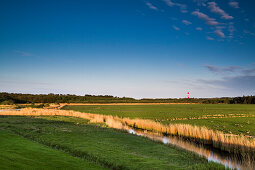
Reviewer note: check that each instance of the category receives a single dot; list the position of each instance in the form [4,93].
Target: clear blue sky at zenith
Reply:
[135,48]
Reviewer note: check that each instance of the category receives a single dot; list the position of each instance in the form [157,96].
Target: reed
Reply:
[229,142]
[218,139]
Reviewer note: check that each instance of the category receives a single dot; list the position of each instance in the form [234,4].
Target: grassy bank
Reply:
[237,119]
[110,148]
[17,152]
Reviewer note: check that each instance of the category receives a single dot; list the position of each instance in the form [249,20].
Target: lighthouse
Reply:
[188,95]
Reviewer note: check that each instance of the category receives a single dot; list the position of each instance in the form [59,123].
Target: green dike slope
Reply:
[16,152]
[110,148]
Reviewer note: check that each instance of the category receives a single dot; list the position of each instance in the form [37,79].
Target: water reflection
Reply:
[231,161]
[131,131]
[4,110]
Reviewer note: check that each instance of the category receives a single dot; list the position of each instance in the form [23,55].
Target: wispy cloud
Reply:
[219,33]
[199,29]
[242,84]
[183,7]
[151,6]
[23,53]
[231,30]
[216,9]
[27,54]
[209,38]
[231,81]
[249,72]
[176,28]
[249,32]
[206,18]
[200,2]
[234,4]
[237,70]
[169,3]
[186,22]
[223,70]
[240,79]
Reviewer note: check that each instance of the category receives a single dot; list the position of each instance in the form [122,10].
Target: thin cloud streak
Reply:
[27,54]
[219,33]
[223,70]
[169,3]
[206,18]
[233,78]
[183,7]
[236,83]
[23,53]
[209,38]
[234,4]
[176,28]
[231,30]
[200,2]
[186,22]
[151,6]
[216,9]
[199,29]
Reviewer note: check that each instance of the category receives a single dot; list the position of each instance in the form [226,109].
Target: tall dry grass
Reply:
[7,106]
[218,139]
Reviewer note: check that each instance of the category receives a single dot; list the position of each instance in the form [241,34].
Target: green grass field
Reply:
[71,143]
[164,113]
[17,152]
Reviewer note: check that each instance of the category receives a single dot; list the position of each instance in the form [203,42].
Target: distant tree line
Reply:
[18,98]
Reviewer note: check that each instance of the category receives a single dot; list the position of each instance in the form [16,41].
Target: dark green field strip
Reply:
[240,125]
[109,147]
[16,152]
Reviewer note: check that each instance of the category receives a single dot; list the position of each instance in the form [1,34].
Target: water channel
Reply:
[229,160]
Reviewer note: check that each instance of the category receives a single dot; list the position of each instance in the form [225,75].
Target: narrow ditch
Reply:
[229,160]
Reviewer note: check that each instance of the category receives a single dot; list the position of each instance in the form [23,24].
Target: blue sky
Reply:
[135,48]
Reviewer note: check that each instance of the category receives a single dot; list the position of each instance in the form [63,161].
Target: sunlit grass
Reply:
[17,152]
[108,147]
[218,139]
[236,119]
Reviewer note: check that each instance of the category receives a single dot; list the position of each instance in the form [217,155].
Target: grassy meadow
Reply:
[57,142]
[17,152]
[236,119]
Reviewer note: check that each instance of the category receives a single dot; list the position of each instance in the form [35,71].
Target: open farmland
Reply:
[222,147]
[237,119]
